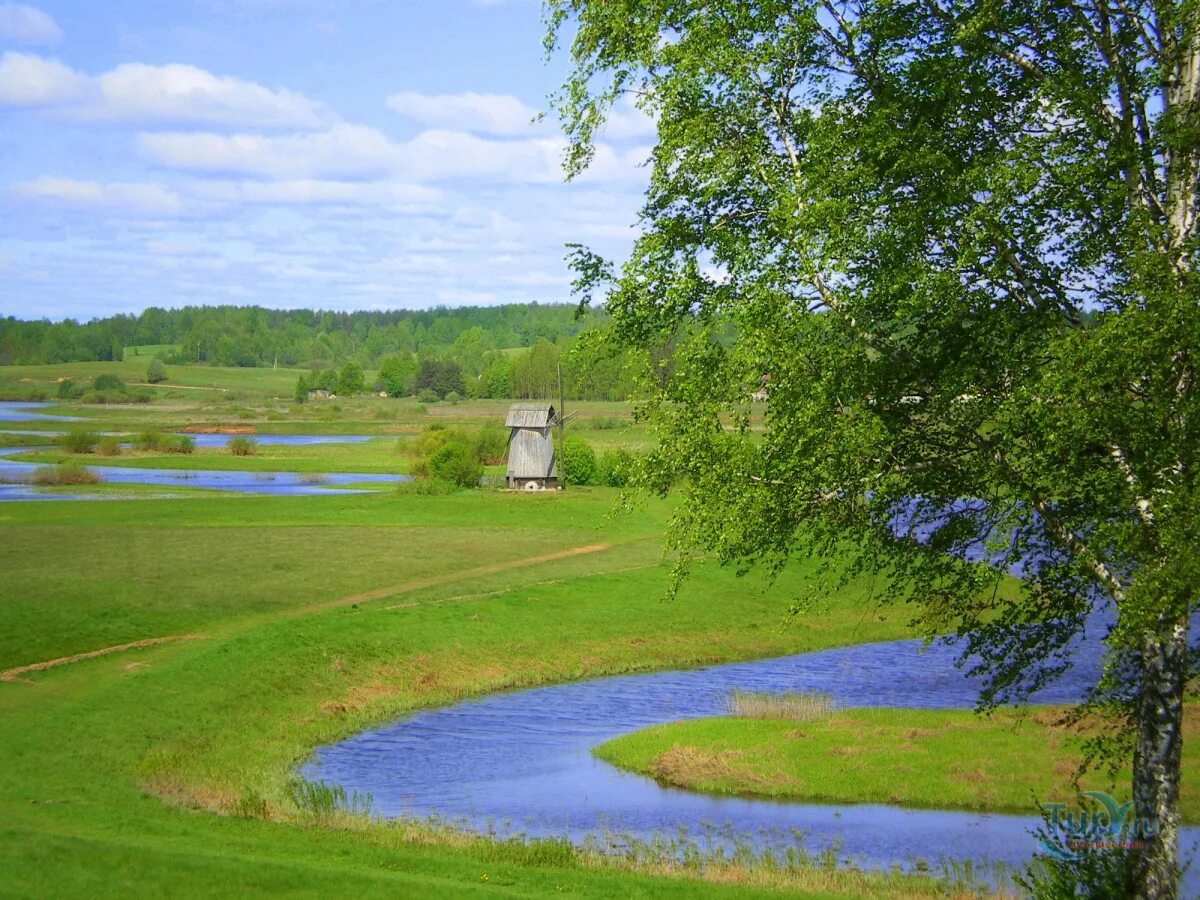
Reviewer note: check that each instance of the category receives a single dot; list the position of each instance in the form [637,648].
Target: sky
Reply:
[333,154]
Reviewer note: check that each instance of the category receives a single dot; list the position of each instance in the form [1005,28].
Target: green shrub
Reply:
[453,397]
[108,382]
[578,462]
[70,472]
[614,468]
[109,445]
[427,396]
[491,444]
[601,423]
[68,390]
[454,462]
[243,446]
[156,372]
[79,441]
[181,444]
[150,440]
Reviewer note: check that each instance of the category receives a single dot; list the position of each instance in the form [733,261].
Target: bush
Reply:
[578,462]
[181,444]
[79,441]
[614,468]
[350,380]
[109,445]
[156,372]
[70,472]
[491,444]
[68,390]
[455,463]
[243,446]
[427,396]
[108,383]
[150,440]
[453,397]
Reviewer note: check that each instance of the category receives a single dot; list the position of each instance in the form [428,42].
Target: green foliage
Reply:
[152,439]
[896,219]
[326,380]
[491,444]
[300,394]
[108,445]
[182,444]
[427,396]
[67,390]
[351,380]
[441,377]
[578,465]
[156,372]
[79,441]
[398,373]
[615,468]
[243,446]
[108,384]
[455,463]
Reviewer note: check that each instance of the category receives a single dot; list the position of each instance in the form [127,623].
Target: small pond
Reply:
[521,763]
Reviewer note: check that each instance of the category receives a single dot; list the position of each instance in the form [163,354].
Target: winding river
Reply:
[521,762]
[14,474]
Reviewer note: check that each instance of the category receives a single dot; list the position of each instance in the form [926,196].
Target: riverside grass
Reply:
[1009,761]
[169,769]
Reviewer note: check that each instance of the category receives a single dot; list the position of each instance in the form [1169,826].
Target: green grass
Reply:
[943,759]
[167,769]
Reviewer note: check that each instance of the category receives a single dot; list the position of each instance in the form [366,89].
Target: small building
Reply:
[318,394]
[531,462]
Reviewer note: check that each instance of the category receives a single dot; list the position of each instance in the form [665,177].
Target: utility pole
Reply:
[562,417]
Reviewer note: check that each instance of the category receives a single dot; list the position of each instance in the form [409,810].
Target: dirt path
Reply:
[15,674]
[449,577]
[363,597]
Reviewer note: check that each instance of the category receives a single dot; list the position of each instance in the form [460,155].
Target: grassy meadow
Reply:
[942,759]
[166,663]
[170,656]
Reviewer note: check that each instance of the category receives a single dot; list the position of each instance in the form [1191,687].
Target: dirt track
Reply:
[363,597]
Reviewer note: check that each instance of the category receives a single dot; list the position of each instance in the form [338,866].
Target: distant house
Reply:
[760,395]
[531,462]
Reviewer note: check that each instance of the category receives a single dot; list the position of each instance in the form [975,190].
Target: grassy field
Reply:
[947,759]
[255,629]
[165,664]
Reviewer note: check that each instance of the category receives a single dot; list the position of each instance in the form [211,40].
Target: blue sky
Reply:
[341,154]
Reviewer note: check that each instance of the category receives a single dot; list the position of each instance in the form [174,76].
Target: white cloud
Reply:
[186,93]
[486,113]
[25,25]
[342,151]
[310,191]
[141,93]
[355,151]
[142,198]
[27,80]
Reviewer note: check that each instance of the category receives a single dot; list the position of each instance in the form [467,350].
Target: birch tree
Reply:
[957,242]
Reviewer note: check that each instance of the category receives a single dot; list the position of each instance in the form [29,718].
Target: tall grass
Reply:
[794,707]
[69,472]
[243,446]
[79,441]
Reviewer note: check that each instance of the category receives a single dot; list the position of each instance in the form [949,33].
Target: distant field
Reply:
[147,352]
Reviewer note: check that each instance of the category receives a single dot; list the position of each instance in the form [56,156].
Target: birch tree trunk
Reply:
[1156,761]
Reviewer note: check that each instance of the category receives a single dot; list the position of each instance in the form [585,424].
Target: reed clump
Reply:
[800,706]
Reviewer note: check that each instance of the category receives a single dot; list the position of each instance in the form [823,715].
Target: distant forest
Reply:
[501,351]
